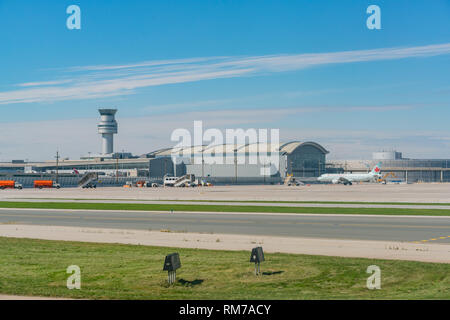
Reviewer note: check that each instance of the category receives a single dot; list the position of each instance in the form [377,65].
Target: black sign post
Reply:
[171,264]
[257,257]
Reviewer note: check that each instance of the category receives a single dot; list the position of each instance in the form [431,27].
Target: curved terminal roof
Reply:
[291,146]
[285,148]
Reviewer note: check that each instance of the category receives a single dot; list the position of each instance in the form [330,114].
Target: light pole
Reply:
[57,162]
[235,165]
[203,167]
[264,173]
[117,169]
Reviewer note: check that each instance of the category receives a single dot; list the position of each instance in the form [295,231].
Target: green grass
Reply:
[263,201]
[314,202]
[221,208]
[113,271]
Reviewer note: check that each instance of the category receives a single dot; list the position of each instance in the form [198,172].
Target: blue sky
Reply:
[310,68]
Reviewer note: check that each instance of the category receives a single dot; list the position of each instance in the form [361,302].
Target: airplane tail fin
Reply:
[376,169]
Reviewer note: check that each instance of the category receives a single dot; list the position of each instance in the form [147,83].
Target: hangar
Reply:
[229,163]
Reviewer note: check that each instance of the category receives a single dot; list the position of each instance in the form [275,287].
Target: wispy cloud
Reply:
[191,104]
[43,83]
[144,64]
[87,82]
[338,109]
[235,103]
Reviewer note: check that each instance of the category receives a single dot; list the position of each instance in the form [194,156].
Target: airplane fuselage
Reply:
[346,178]
[349,178]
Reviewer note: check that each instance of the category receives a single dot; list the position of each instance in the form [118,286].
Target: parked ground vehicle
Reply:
[169,181]
[10,184]
[46,184]
[144,184]
[187,180]
[128,184]
[295,182]
[88,180]
[291,181]
[89,185]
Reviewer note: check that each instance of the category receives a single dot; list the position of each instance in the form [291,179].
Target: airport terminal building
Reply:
[251,163]
[305,160]
[395,168]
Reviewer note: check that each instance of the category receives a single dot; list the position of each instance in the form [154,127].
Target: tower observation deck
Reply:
[107,127]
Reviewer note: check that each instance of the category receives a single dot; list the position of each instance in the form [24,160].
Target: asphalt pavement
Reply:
[383,228]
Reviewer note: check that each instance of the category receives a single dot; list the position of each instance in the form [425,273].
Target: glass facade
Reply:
[417,163]
[306,161]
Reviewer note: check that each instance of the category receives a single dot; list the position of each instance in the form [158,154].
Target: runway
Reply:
[378,228]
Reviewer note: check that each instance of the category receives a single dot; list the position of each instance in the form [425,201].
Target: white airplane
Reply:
[348,178]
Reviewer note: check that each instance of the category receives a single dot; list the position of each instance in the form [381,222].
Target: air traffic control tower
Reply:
[107,127]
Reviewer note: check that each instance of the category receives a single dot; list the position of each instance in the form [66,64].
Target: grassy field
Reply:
[221,208]
[112,271]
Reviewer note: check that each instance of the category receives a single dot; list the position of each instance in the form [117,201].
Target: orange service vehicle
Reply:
[10,184]
[46,184]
